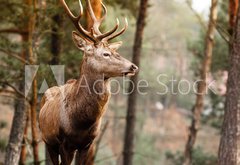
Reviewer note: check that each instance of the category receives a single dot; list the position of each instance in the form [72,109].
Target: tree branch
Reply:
[223,33]
[15,31]
[15,55]
[7,91]
[202,23]
[14,88]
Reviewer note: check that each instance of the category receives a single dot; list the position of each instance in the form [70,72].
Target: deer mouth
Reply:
[128,74]
[131,71]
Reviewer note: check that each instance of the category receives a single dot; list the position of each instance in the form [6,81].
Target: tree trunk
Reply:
[233,10]
[34,123]
[97,8]
[32,60]
[229,151]
[202,85]
[13,150]
[23,155]
[56,40]
[132,99]
[17,131]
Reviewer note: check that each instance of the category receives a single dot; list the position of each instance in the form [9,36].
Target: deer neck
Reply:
[89,97]
[91,82]
[92,92]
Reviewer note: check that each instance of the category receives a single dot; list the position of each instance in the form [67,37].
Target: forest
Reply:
[134,82]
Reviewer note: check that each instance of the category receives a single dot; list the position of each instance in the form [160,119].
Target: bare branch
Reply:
[15,55]
[6,91]
[15,31]
[202,23]
[14,88]
[223,33]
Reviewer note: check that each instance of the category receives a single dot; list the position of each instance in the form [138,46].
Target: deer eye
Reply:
[106,54]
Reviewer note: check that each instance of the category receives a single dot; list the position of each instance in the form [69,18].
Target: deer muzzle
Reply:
[132,71]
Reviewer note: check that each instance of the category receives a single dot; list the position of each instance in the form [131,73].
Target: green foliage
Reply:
[3,124]
[223,15]
[220,53]
[3,144]
[199,157]
[215,118]
[174,159]
[219,63]
[145,151]
[131,5]
[220,50]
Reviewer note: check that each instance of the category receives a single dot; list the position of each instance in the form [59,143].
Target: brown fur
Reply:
[71,114]
[73,117]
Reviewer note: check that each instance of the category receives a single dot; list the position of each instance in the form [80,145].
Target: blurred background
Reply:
[174,45]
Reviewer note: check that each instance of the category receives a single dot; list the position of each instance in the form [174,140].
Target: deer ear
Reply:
[116,45]
[79,41]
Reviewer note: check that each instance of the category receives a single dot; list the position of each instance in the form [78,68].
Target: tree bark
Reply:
[229,150]
[32,60]
[16,135]
[97,8]
[202,85]
[56,39]
[13,150]
[23,155]
[132,99]
[233,10]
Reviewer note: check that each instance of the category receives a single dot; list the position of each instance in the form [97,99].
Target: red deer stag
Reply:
[71,114]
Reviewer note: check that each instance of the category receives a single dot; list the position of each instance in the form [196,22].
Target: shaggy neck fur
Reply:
[90,98]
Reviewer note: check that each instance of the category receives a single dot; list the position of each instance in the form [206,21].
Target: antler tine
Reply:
[81,9]
[117,34]
[109,32]
[105,12]
[76,22]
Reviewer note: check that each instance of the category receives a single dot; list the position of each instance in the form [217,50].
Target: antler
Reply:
[76,21]
[110,37]
[95,35]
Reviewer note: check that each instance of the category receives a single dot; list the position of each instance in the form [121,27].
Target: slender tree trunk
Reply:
[13,150]
[34,123]
[202,86]
[229,150]
[16,135]
[97,8]
[132,99]
[32,60]
[56,40]
[23,155]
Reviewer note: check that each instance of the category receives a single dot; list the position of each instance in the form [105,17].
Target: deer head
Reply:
[100,56]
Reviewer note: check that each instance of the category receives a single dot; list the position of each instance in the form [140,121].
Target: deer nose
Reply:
[134,68]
